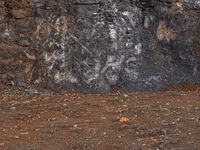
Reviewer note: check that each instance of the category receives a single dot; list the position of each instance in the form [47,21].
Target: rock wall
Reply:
[94,45]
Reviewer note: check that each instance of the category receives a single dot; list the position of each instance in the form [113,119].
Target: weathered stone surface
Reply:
[94,45]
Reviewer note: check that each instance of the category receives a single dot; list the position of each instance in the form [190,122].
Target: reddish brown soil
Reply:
[115,121]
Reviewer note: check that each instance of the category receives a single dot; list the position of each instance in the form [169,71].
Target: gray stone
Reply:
[93,46]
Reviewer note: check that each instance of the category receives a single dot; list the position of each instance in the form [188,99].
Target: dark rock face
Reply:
[94,45]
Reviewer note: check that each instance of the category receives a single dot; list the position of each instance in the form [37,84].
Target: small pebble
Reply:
[123,120]
[2,144]
[125,95]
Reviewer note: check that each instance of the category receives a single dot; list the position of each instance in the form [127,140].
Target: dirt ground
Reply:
[114,121]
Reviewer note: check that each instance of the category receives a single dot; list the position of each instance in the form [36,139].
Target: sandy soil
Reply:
[114,121]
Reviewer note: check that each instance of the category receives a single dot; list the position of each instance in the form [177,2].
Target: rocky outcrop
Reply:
[94,45]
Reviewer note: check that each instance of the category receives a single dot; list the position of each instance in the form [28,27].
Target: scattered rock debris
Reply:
[160,121]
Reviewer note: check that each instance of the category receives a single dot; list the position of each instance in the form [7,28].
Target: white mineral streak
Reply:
[97,67]
[113,32]
[114,7]
[197,2]
[89,76]
[131,59]
[113,62]
[130,17]
[58,55]
[146,22]
[96,25]
[138,49]
[59,77]
[129,44]
[6,33]
[126,13]
[154,78]
[48,58]
[113,36]
[71,78]
[32,57]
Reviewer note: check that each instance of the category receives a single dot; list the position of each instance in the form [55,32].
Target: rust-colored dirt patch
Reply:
[165,120]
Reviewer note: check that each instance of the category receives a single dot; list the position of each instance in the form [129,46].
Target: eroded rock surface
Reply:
[94,45]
